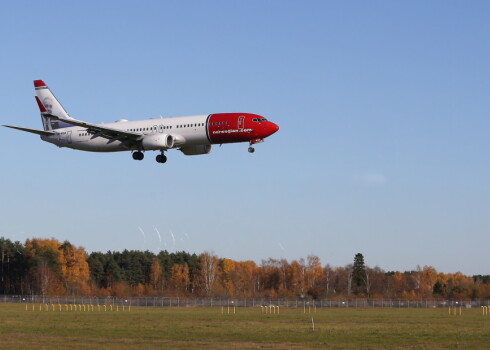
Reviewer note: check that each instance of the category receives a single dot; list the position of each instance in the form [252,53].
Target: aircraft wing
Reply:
[99,130]
[32,131]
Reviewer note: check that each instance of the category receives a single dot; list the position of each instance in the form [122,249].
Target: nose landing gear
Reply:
[251,149]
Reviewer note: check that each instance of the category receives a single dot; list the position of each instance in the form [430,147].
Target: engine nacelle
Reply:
[158,142]
[196,149]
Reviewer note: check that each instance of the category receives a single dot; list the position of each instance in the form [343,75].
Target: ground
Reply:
[247,328]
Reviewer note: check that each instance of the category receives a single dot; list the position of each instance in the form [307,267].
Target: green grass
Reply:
[201,328]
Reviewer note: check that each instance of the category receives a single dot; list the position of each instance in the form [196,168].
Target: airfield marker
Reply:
[32,307]
[105,307]
[278,309]
[60,307]
[312,325]
[111,307]
[26,307]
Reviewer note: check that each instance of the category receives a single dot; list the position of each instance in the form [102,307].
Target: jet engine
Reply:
[158,142]
[196,149]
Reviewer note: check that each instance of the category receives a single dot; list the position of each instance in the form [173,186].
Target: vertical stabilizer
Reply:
[49,104]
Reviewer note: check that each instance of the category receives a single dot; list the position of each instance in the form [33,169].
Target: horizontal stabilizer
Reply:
[32,131]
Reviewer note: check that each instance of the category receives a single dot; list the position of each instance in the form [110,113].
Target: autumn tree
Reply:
[45,270]
[313,276]
[75,270]
[180,279]
[156,274]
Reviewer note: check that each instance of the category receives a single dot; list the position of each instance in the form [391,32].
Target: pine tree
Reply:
[359,270]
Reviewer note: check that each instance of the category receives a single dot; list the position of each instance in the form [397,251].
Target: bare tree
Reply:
[209,271]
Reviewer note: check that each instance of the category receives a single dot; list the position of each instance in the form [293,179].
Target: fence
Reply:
[210,302]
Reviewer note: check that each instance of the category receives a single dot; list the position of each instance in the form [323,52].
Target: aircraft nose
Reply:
[273,128]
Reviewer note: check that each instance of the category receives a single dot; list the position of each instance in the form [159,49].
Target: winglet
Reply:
[39,83]
[40,104]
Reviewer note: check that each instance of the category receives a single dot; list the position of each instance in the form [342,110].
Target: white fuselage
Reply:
[190,130]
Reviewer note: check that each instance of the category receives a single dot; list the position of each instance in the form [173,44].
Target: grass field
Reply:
[249,328]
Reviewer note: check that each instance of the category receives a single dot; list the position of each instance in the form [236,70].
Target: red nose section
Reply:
[272,128]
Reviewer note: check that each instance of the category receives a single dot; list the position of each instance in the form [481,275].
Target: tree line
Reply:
[50,267]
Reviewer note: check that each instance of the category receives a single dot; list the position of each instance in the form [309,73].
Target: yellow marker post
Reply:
[111,307]
[26,307]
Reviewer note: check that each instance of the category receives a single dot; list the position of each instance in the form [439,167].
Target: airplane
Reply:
[192,135]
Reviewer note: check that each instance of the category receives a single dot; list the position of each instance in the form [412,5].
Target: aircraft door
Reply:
[241,122]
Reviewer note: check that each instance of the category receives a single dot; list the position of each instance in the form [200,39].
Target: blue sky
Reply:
[384,145]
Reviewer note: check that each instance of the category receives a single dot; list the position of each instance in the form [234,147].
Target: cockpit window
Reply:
[259,120]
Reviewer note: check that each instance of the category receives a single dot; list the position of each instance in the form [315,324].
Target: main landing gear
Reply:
[161,158]
[251,149]
[138,155]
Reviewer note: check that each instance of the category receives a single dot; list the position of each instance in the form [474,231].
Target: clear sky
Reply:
[384,146]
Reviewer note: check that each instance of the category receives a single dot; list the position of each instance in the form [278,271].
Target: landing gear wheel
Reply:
[251,149]
[138,155]
[161,158]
